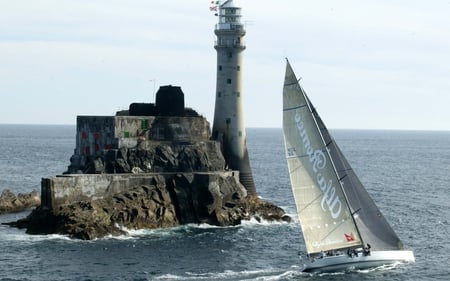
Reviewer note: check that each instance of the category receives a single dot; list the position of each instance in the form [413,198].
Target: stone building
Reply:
[101,137]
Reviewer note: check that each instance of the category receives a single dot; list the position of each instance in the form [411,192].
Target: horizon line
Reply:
[256,127]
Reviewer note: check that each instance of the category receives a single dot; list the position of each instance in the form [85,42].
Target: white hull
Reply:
[346,262]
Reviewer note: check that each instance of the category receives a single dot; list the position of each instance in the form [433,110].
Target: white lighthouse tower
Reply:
[228,126]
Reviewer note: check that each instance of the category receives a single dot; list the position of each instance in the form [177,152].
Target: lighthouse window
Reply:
[219,94]
[238,68]
[228,81]
[220,68]
[230,19]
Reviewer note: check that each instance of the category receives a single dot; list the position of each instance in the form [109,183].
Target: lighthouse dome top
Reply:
[230,4]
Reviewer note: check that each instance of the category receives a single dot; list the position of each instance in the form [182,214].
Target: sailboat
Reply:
[342,227]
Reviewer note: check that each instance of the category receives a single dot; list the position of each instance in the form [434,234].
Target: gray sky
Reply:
[381,64]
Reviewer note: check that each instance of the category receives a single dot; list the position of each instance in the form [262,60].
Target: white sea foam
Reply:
[14,234]
[260,221]
[258,275]
[210,226]
[22,236]
[380,268]
[361,271]
[132,234]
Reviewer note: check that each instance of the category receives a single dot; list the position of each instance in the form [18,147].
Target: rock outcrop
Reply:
[166,202]
[152,156]
[155,184]
[152,166]
[10,203]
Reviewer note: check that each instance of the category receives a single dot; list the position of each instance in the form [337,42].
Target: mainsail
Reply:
[334,209]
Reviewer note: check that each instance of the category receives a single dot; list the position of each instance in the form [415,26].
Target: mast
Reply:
[324,215]
[368,221]
[316,116]
[372,225]
[228,125]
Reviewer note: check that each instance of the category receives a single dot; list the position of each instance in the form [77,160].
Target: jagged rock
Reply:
[261,209]
[150,157]
[183,180]
[216,200]
[10,203]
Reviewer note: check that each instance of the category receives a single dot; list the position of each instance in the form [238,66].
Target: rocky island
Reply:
[159,164]
[151,166]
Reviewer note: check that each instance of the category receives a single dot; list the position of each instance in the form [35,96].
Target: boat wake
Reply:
[377,269]
[266,275]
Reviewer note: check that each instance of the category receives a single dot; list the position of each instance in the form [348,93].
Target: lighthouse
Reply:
[228,125]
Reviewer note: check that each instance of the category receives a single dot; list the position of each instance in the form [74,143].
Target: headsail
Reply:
[326,220]
[322,179]
[371,224]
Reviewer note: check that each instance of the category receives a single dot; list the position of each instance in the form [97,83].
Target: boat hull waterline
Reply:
[346,262]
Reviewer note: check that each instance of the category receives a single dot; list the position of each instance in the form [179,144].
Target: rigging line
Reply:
[342,188]
[356,211]
[317,122]
[296,107]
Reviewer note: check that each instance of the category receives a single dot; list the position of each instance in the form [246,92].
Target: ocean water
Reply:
[407,173]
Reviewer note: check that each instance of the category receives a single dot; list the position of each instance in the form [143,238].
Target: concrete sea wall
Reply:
[68,189]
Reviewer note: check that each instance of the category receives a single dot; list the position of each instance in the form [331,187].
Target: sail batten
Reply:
[326,189]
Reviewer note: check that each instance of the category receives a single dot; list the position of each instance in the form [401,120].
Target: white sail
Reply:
[334,209]
[325,217]
[372,225]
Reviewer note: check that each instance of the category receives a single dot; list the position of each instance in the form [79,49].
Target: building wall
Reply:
[96,135]
[128,130]
[180,129]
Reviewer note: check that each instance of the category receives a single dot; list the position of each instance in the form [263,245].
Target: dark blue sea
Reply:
[406,172]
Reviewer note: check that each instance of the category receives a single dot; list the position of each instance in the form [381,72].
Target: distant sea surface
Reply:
[407,173]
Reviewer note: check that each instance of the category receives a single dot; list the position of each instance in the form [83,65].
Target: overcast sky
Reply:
[381,64]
